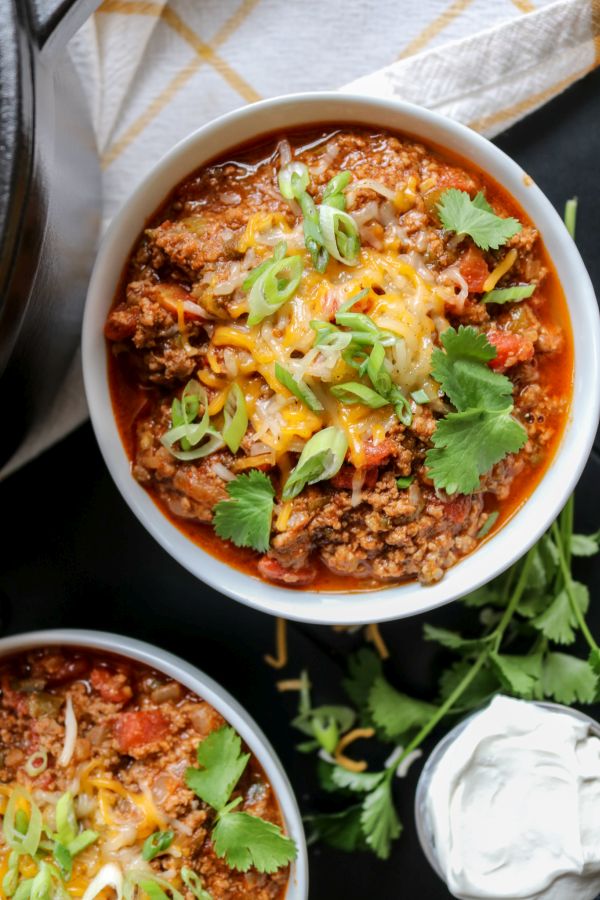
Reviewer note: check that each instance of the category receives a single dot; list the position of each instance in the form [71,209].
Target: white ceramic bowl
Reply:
[422,819]
[525,527]
[206,689]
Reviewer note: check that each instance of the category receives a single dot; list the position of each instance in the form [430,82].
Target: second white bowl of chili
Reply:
[377,341]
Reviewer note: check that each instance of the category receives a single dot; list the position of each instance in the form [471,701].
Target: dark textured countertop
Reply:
[73,555]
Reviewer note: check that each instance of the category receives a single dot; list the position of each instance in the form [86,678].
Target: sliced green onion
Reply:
[10,880]
[509,294]
[379,376]
[488,524]
[326,732]
[313,238]
[401,406]
[110,875]
[321,459]
[66,820]
[340,234]
[298,388]
[152,885]
[571,215]
[41,889]
[83,840]
[293,180]
[236,418]
[277,284]
[23,891]
[64,861]
[22,840]
[420,396]
[357,358]
[330,336]
[36,763]
[192,433]
[157,843]
[402,483]
[354,392]
[348,304]
[193,883]
[364,329]
[336,185]
[279,253]
[153,890]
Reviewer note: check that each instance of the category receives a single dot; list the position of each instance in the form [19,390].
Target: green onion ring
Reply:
[277,284]
[354,392]
[236,418]
[36,763]
[293,180]
[27,842]
[321,459]
[298,388]
[340,234]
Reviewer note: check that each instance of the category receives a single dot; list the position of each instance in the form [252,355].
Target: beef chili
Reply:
[118,782]
[340,358]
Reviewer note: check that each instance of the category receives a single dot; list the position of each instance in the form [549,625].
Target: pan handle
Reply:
[54,22]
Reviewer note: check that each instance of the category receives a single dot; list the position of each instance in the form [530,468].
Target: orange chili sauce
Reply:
[556,370]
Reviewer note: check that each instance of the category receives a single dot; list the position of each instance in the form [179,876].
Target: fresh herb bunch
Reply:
[527,618]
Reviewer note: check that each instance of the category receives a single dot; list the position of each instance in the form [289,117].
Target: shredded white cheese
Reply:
[70,734]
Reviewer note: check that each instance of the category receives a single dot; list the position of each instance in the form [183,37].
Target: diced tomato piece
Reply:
[473,269]
[272,570]
[511,349]
[345,476]
[377,454]
[135,729]
[112,686]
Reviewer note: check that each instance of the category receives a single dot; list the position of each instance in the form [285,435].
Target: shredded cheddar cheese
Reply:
[280,660]
[373,635]
[501,269]
[353,765]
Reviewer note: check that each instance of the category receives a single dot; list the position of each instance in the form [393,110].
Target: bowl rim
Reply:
[207,689]
[527,523]
[422,823]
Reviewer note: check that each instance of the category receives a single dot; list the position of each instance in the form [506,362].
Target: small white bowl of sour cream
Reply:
[506,804]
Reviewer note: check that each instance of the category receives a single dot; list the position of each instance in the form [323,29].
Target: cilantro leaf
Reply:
[568,679]
[451,639]
[341,830]
[223,763]
[244,840]
[356,781]
[558,621]
[379,820]
[510,294]
[395,713]
[594,660]
[464,375]
[476,218]
[585,544]
[480,689]
[245,519]
[364,667]
[468,444]
[521,675]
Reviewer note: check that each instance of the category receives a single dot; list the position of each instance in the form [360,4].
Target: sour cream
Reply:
[513,806]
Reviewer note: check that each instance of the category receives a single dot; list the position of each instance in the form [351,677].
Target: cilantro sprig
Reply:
[482,431]
[476,218]
[525,622]
[245,519]
[243,840]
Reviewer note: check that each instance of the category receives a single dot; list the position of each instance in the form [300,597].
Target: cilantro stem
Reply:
[566,573]
[495,639]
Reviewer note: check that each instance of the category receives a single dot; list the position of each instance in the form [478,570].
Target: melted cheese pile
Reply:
[403,298]
[123,817]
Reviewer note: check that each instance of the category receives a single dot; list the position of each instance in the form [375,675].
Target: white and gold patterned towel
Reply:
[154,70]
